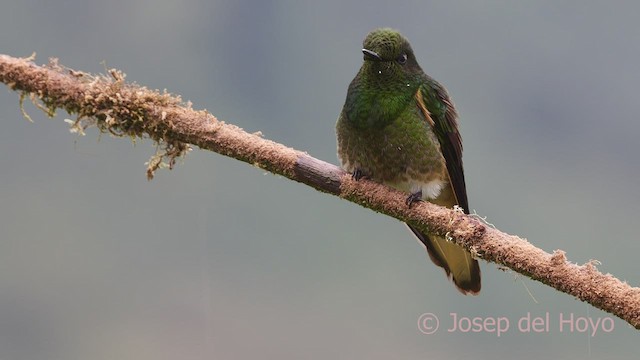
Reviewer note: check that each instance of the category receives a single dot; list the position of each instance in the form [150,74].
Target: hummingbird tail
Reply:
[455,260]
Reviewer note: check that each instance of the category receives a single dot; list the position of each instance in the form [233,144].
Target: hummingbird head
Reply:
[388,57]
[386,83]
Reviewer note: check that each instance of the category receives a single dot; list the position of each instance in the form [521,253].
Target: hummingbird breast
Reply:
[405,154]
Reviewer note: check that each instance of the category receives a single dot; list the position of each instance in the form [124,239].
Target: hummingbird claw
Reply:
[357,174]
[414,198]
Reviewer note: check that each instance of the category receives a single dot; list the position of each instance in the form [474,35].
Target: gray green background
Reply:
[219,260]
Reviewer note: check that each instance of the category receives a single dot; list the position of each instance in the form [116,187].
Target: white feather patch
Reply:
[430,190]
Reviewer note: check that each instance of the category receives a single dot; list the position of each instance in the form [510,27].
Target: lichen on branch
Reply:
[107,103]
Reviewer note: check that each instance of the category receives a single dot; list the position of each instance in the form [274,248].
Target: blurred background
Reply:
[218,259]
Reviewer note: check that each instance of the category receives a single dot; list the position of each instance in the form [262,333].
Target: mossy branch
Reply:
[125,109]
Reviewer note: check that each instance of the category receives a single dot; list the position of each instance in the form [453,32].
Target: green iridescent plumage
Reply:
[398,127]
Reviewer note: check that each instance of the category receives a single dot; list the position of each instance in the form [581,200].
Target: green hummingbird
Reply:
[399,127]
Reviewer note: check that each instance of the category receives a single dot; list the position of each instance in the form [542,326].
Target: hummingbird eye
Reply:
[402,59]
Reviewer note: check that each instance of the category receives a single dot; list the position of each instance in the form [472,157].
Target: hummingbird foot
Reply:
[414,198]
[357,174]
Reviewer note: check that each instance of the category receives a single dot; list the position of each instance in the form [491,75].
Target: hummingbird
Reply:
[399,127]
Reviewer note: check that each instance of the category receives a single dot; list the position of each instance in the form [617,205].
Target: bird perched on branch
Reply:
[399,127]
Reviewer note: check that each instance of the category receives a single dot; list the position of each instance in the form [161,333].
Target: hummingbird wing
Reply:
[438,110]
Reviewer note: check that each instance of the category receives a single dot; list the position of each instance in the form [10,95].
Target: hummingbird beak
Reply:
[371,55]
